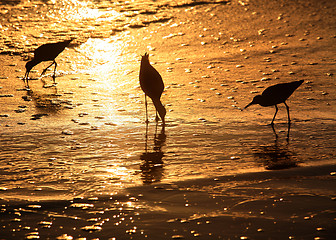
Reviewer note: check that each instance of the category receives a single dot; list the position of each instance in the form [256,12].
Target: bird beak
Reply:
[248,105]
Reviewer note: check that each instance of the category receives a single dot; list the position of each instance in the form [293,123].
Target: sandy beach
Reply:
[77,161]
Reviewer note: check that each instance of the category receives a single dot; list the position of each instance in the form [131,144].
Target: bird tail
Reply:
[67,42]
[298,83]
[160,109]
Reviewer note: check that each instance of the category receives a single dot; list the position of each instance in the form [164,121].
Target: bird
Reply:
[152,85]
[274,95]
[45,52]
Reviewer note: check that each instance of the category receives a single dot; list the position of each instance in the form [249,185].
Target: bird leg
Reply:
[146,109]
[146,137]
[48,67]
[157,117]
[276,111]
[276,135]
[54,72]
[289,121]
[25,79]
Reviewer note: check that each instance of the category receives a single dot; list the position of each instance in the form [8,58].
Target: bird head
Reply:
[256,100]
[145,57]
[29,66]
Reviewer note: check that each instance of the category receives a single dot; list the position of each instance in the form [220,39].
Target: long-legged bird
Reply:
[46,52]
[274,95]
[152,85]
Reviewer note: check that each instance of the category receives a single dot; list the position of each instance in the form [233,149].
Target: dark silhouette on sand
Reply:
[152,85]
[274,95]
[45,52]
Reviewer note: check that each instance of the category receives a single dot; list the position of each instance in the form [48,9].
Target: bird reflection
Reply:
[45,101]
[152,167]
[275,156]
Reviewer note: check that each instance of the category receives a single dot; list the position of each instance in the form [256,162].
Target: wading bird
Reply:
[46,52]
[152,85]
[274,95]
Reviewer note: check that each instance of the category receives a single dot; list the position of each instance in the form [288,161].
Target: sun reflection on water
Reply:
[75,10]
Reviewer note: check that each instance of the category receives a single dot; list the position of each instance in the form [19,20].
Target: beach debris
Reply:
[20,110]
[177,237]
[32,235]
[34,206]
[64,237]
[45,224]
[16,220]
[110,124]
[6,95]
[261,31]
[67,132]
[38,116]
[82,205]
[92,228]
[82,114]
[26,98]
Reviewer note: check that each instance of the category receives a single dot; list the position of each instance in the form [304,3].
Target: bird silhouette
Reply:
[274,95]
[45,52]
[152,85]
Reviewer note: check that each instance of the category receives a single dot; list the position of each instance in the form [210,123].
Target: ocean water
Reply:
[87,137]
[27,24]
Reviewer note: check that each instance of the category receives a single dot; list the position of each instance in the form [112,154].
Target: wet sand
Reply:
[73,157]
[289,204]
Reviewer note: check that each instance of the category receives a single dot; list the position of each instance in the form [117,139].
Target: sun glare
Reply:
[101,52]
[76,11]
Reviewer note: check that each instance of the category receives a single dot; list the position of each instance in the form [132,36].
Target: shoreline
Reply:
[267,202]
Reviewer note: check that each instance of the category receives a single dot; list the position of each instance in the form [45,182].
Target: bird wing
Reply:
[151,82]
[50,51]
[280,92]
